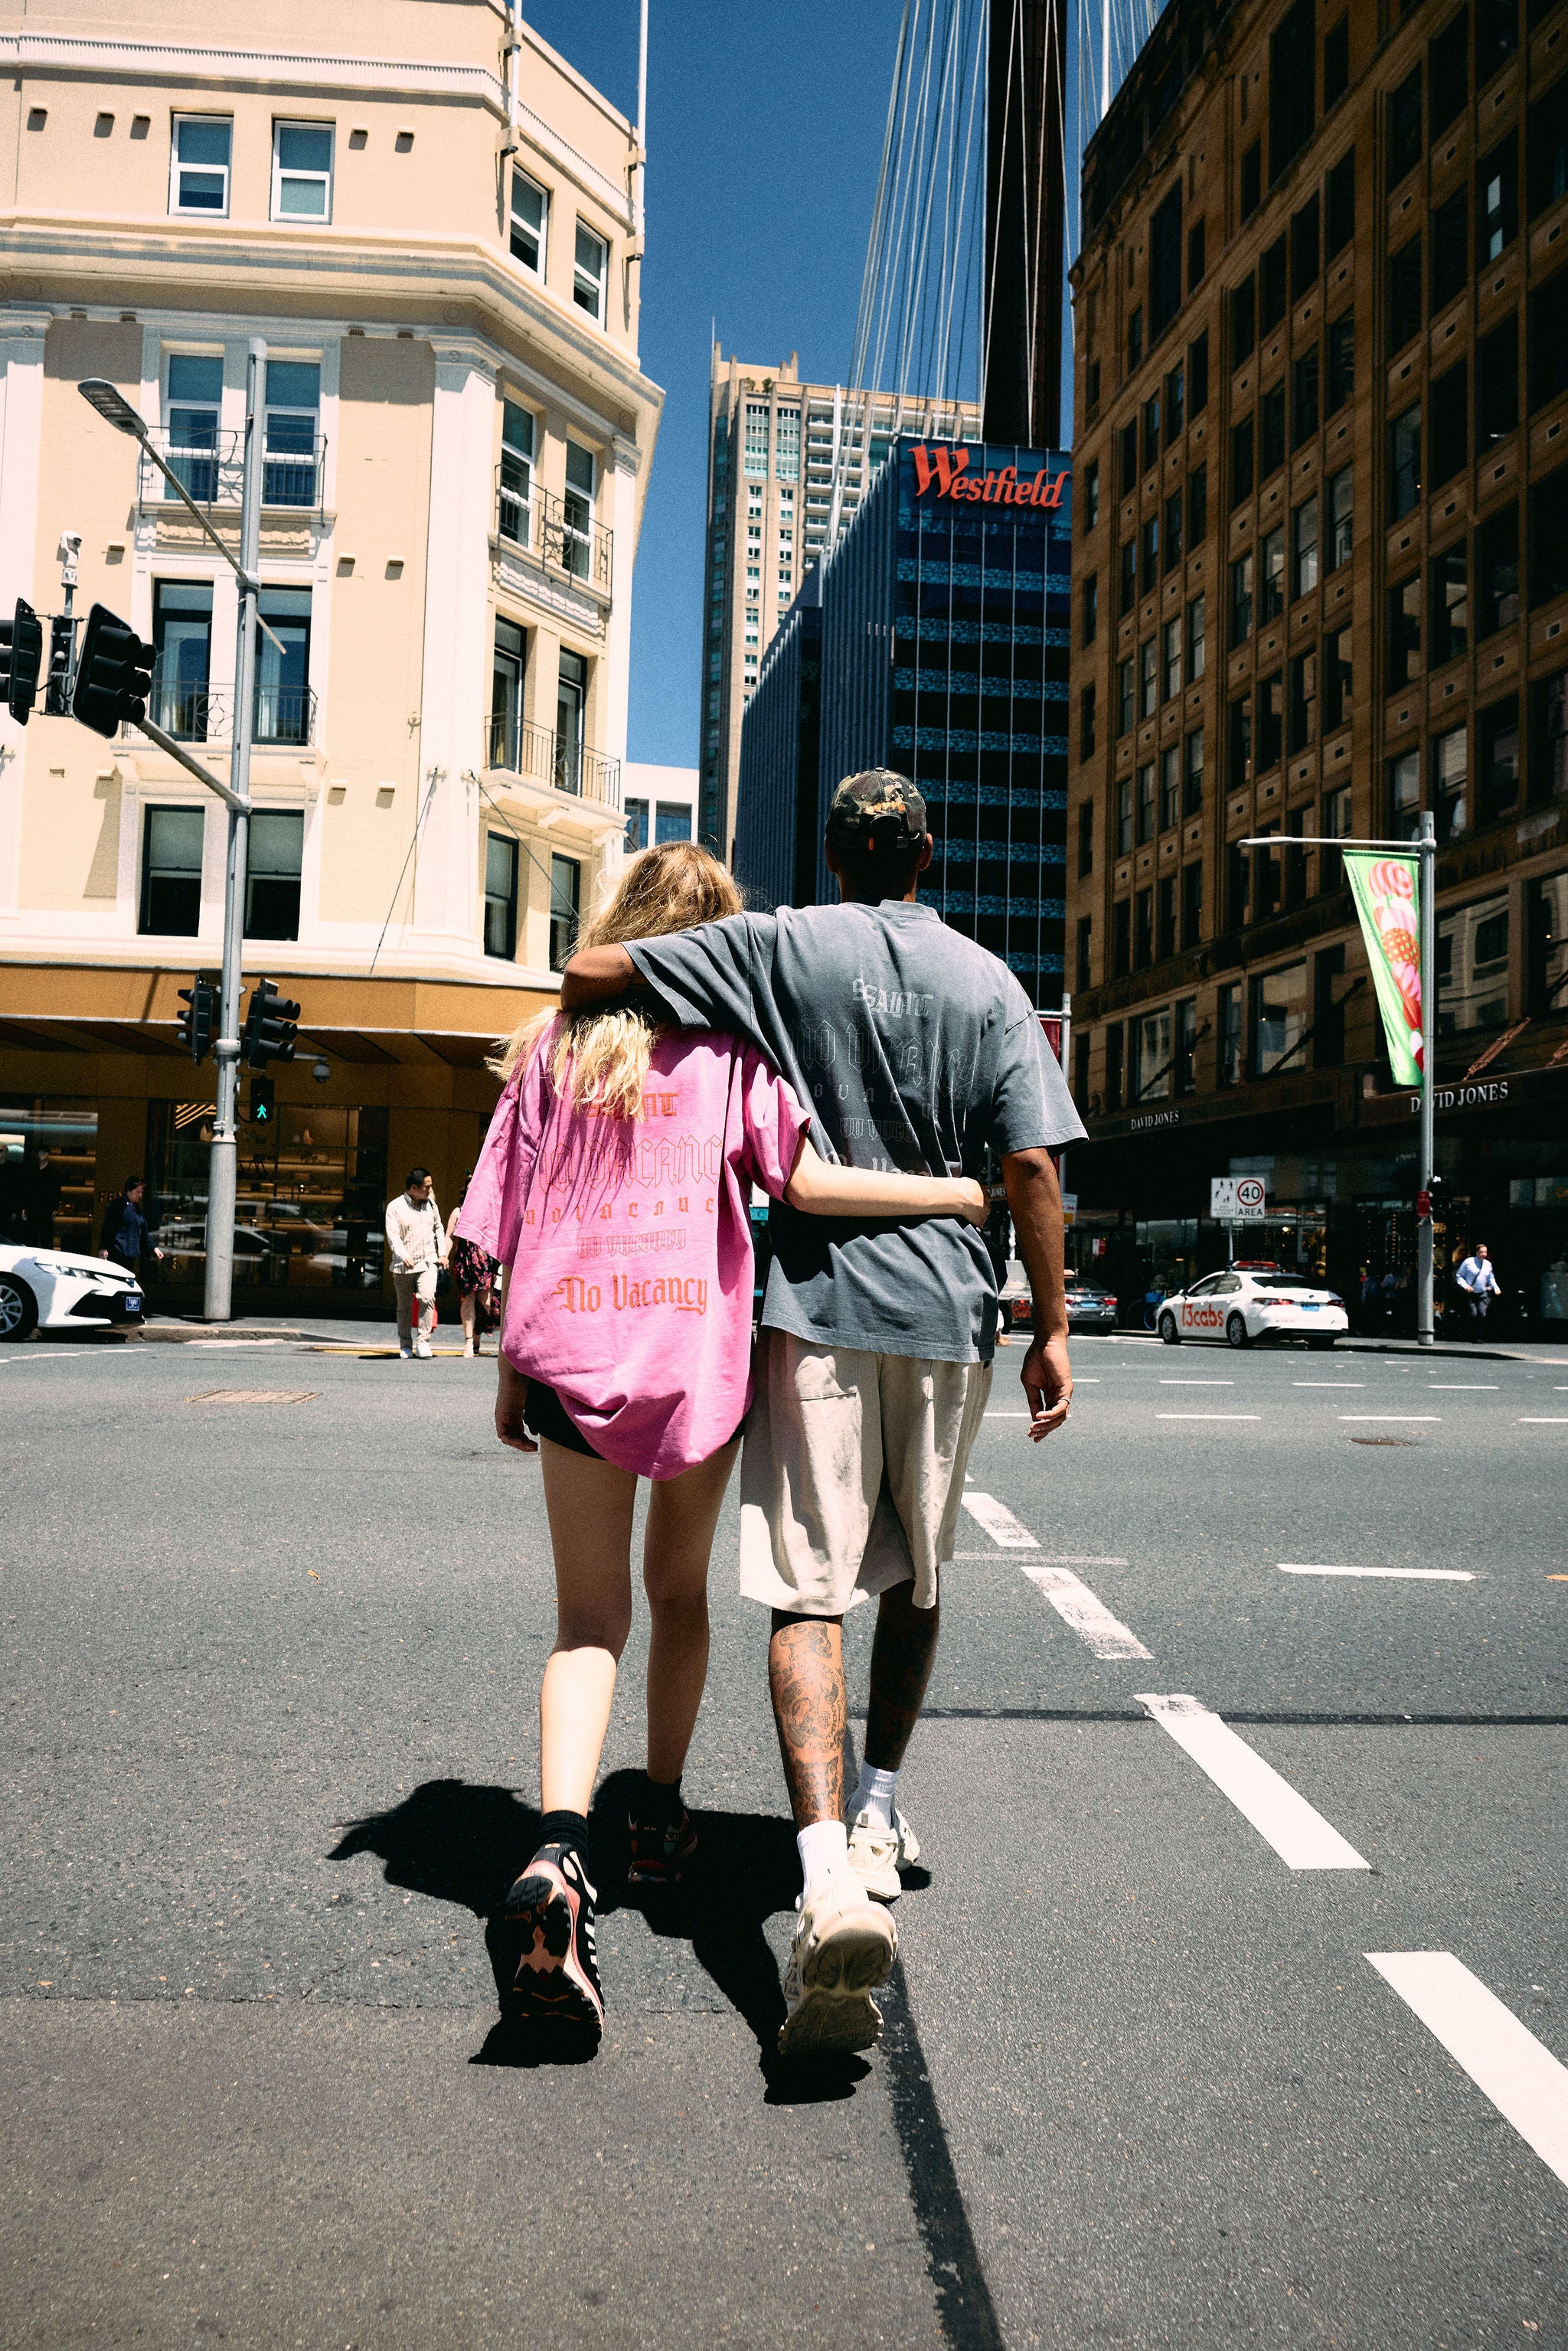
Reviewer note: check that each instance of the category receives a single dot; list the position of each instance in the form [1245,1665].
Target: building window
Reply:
[1238,884]
[501,896]
[1243,323]
[1497,199]
[1336,826]
[1292,79]
[1336,679]
[1271,574]
[1134,342]
[1192,789]
[514,517]
[1341,363]
[1197,374]
[1448,65]
[1170,786]
[1304,247]
[1304,398]
[1271,430]
[636,825]
[1191,905]
[1143,930]
[1448,605]
[182,657]
[1175,404]
[1149,565]
[1405,146]
[1240,462]
[1472,967]
[1304,547]
[1546,944]
[787,447]
[199,165]
[565,908]
[1129,596]
[1090,500]
[272,873]
[1405,464]
[1121,938]
[1405,796]
[1089,606]
[1279,1018]
[1450,783]
[1124,815]
[507,696]
[1271,721]
[1229,1008]
[1081,977]
[1404,295]
[289,475]
[1450,430]
[1164,263]
[1338,205]
[302,171]
[1271,286]
[1238,746]
[1336,63]
[1303,715]
[577,510]
[1170,657]
[571,713]
[1173,530]
[1198,506]
[1125,696]
[1549,332]
[1114,1050]
[1549,739]
[1085,839]
[1148,678]
[1240,600]
[1339,508]
[1549,537]
[1450,250]
[530,221]
[1149,1070]
[192,411]
[1166,917]
[1497,745]
[1196,623]
[1405,632]
[756,429]
[1127,455]
[171,872]
[1497,384]
[1147,802]
[1152,431]
[672,820]
[1496,572]
[1251,176]
[1086,721]
[283,712]
[591,269]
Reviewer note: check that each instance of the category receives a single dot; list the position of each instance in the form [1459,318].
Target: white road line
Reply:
[1055,1559]
[1543,1420]
[1462,1388]
[1071,1597]
[1328,1384]
[1423,1416]
[1416,1574]
[1526,2083]
[1209,1416]
[1301,1836]
[1198,1383]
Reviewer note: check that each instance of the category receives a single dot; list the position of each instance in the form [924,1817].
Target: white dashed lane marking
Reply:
[1427,1419]
[1526,2083]
[1301,1836]
[1416,1574]
[1209,1416]
[1073,1601]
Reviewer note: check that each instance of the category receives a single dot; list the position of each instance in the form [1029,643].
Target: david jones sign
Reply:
[944,473]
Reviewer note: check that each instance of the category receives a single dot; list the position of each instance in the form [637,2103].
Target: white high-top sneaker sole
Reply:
[877,1855]
[844,1946]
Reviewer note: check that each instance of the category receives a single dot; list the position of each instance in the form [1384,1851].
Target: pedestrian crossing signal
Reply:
[269,1026]
[114,676]
[24,657]
[263,1101]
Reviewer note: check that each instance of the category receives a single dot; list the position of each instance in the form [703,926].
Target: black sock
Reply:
[658,1802]
[565,1828]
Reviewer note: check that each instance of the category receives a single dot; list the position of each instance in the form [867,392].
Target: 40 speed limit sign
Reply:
[1236,1199]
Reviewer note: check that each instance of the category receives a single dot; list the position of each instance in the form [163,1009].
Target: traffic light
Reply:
[58,687]
[269,1026]
[26,639]
[263,1100]
[196,1023]
[114,676]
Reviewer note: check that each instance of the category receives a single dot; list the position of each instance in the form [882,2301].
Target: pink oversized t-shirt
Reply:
[629,1242]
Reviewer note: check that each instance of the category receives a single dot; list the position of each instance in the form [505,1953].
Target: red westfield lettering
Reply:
[946,472]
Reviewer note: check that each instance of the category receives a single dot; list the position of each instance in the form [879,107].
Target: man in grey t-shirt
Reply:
[913,1048]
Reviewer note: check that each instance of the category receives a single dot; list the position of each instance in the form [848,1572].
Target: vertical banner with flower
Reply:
[1387,894]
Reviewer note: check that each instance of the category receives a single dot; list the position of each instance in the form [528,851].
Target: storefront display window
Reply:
[1279,1018]
[1472,966]
[48,1160]
[312,1192]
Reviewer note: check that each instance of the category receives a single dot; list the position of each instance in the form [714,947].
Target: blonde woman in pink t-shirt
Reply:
[615,1186]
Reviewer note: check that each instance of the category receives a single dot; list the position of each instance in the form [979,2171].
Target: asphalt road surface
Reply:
[1232,2008]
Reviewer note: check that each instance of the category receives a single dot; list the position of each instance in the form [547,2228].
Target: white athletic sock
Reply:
[824,1848]
[874,1795]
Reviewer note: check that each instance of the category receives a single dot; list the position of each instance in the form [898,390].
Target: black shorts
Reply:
[547,1415]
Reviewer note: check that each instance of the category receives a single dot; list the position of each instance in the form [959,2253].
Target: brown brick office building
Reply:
[1321,582]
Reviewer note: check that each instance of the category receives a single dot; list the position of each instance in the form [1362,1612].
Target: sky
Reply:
[765,127]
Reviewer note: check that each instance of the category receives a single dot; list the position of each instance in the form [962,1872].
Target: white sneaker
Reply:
[422,1347]
[877,1855]
[844,1944]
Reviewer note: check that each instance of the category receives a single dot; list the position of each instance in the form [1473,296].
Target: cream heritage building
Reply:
[438,238]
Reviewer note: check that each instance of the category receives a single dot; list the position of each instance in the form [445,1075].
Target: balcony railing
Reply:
[558,530]
[197,714]
[547,757]
[214,477]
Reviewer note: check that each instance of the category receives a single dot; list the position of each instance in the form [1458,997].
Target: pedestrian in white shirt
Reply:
[1478,1286]
[417,1245]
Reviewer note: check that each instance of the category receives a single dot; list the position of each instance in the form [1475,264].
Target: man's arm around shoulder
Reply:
[1035,1199]
[596,976]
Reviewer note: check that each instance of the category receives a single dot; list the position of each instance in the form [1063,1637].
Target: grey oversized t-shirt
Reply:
[913,1048]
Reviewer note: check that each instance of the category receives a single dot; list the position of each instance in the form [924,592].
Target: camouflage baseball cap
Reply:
[879,806]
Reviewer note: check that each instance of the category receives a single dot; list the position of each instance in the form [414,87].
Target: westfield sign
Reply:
[944,473]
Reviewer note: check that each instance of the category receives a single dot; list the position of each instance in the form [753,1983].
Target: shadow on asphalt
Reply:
[466,1845]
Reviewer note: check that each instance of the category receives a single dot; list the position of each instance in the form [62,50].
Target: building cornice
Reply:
[177,61]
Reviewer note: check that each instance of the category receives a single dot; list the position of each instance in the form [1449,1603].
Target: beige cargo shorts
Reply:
[852,1473]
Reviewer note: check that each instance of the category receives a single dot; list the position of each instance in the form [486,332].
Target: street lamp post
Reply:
[224,1169]
[1425,846]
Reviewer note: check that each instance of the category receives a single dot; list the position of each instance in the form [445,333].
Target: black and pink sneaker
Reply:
[551,1906]
[660,1849]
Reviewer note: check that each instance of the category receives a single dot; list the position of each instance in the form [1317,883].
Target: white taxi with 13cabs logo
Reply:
[1254,1302]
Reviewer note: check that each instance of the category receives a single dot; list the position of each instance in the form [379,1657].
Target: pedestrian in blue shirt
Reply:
[124,1238]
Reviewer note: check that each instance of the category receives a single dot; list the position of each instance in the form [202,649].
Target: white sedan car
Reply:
[60,1292]
[1254,1303]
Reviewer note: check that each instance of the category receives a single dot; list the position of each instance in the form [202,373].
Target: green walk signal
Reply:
[26,644]
[114,676]
[269,1030]
[263,1101]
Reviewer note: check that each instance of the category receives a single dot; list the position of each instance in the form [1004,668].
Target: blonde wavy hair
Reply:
[602,1058]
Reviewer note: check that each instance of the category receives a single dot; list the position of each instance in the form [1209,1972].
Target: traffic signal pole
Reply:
[223,1182]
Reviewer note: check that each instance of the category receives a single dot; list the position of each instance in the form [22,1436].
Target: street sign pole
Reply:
[1425,1333]
[222,1185]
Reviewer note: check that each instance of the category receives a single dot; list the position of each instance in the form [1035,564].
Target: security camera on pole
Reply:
[111,689]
